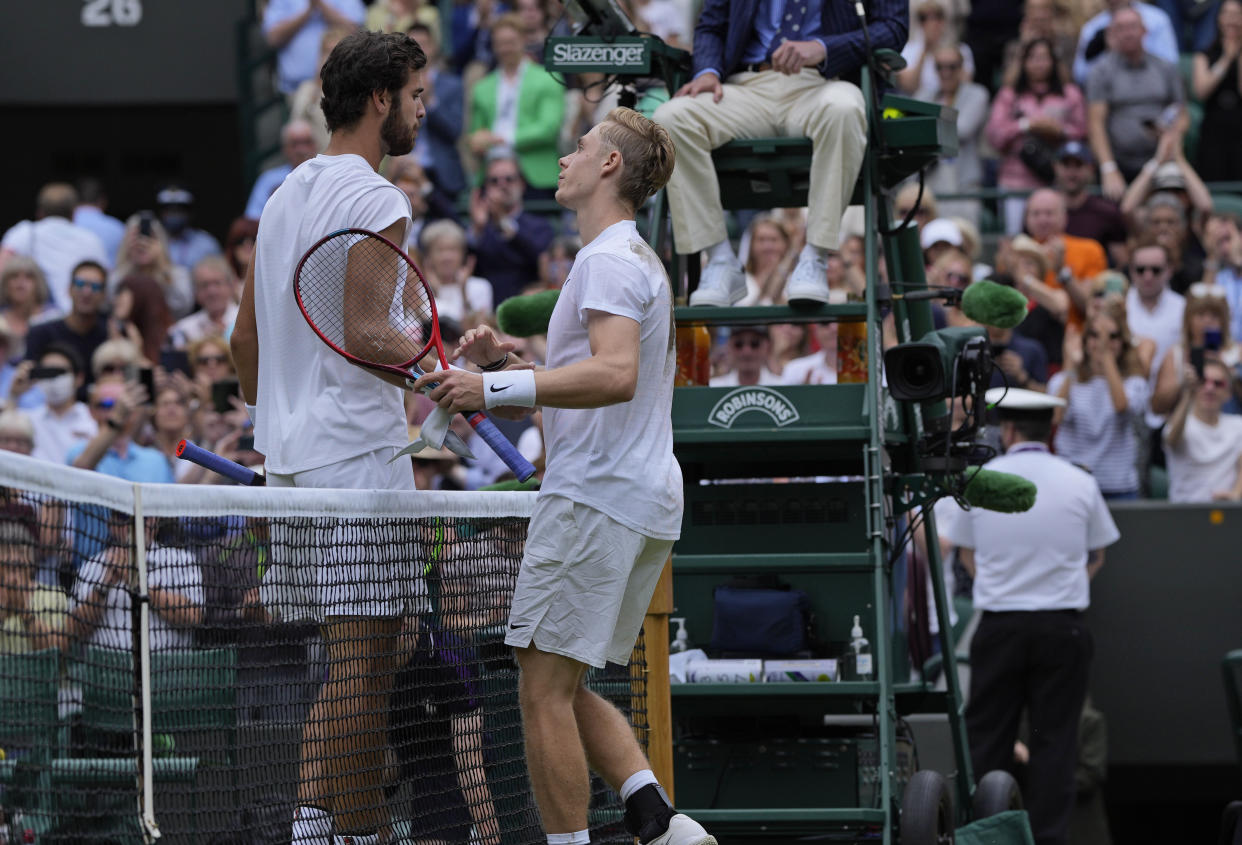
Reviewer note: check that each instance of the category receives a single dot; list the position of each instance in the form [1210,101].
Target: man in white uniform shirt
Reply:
[322,422]
[610,504]
[1032,649]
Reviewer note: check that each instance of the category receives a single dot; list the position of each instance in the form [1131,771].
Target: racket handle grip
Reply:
[232,470]
[522,468]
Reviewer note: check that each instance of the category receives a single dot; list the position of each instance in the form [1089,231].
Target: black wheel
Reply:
[927,810]
[996,793]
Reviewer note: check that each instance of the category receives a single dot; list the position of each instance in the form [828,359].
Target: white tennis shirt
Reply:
[314,407]
[618,459]
[1037,560]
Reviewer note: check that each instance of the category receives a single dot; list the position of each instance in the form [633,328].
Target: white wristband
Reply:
[251,410]
[1108,167]
[514,388]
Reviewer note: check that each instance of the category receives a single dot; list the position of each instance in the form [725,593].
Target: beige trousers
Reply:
[762,105]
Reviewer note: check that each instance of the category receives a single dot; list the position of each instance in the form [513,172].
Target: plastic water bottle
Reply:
[681,641]
[860,653]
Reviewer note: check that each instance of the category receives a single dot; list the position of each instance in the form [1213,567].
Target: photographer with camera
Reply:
[1205,336]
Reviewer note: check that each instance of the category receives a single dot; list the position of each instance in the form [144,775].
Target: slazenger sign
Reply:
[762,399]
[584,55]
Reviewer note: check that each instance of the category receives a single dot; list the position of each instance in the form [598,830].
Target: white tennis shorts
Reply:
[585,583]
[322,568]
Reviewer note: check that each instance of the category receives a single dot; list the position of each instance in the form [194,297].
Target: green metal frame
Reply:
[840,426]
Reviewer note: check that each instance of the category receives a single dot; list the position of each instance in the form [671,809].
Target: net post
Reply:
[150,829]
[658,705]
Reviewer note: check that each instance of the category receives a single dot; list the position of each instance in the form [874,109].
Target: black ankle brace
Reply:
[647,812]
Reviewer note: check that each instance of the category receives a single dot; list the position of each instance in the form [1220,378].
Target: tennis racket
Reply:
[365,298]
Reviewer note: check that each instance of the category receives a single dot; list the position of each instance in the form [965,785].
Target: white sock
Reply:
[811,252]
[581,837]
[636,782]
[722,251]
[311,826]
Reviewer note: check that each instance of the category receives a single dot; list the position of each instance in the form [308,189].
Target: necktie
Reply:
[792,19]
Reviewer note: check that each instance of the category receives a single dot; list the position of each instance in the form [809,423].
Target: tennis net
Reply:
[201,660]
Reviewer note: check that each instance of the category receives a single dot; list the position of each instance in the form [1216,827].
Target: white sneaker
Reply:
[721,284]
[809,281]
[683,830]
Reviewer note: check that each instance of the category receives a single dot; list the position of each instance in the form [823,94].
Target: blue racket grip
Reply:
[500,444]
[232,470]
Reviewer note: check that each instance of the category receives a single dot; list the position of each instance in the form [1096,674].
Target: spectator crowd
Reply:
[1106,125]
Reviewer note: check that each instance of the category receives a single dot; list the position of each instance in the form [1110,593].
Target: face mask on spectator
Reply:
[59,389]
[175,221]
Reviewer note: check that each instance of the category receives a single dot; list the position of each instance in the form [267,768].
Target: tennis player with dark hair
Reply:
[611,501]
[323,422]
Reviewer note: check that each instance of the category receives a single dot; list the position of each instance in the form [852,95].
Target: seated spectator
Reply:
[1202,446]
[749,348]
[1106,391]
[1222,266]
[819,367]
[211,362]
[304,106]
[1020,361]
[537,18]
[53,241]
[951,269]
[964,172]
[62,422]
[1072,262]
[15,375]
[769,259]
[1166,218]
[1152,309]
[919,78]
[120,409]
[1135,104]
[24,301]
[1030,120]
[1026,262]
[1087,214]
[1205,336]
[1216,84]
[187,245]
[904,201]
[147,255]
[91,213]
[426,204]
[1044,19]
[295,29]
[787,342]
[557,260]
[1158,36]
[400,15]
[84,328]
[16,432]
[938,237]
[116,359]
[170,421]
[99,609]
[297,144]
[436,145]
[519,106]
[214,287]
[505,239]
[239,248]
[32,614]
[141,315]
[458,292]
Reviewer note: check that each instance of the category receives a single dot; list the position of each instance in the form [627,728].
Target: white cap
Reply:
[940,230]
[1017,399]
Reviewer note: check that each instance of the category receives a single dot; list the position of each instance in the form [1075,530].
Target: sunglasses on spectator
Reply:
[746,342]
[503,180]
[945,68]
[113,367]
[1143,269]
[97,287]
[103,404]
[1219,383]
[957,278]
[208,360]
[1098,335]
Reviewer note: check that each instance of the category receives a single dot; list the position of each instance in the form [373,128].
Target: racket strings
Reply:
[366,299]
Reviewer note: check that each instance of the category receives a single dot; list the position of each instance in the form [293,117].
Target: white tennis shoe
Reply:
[721,284]
[809,280]
[683,830]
